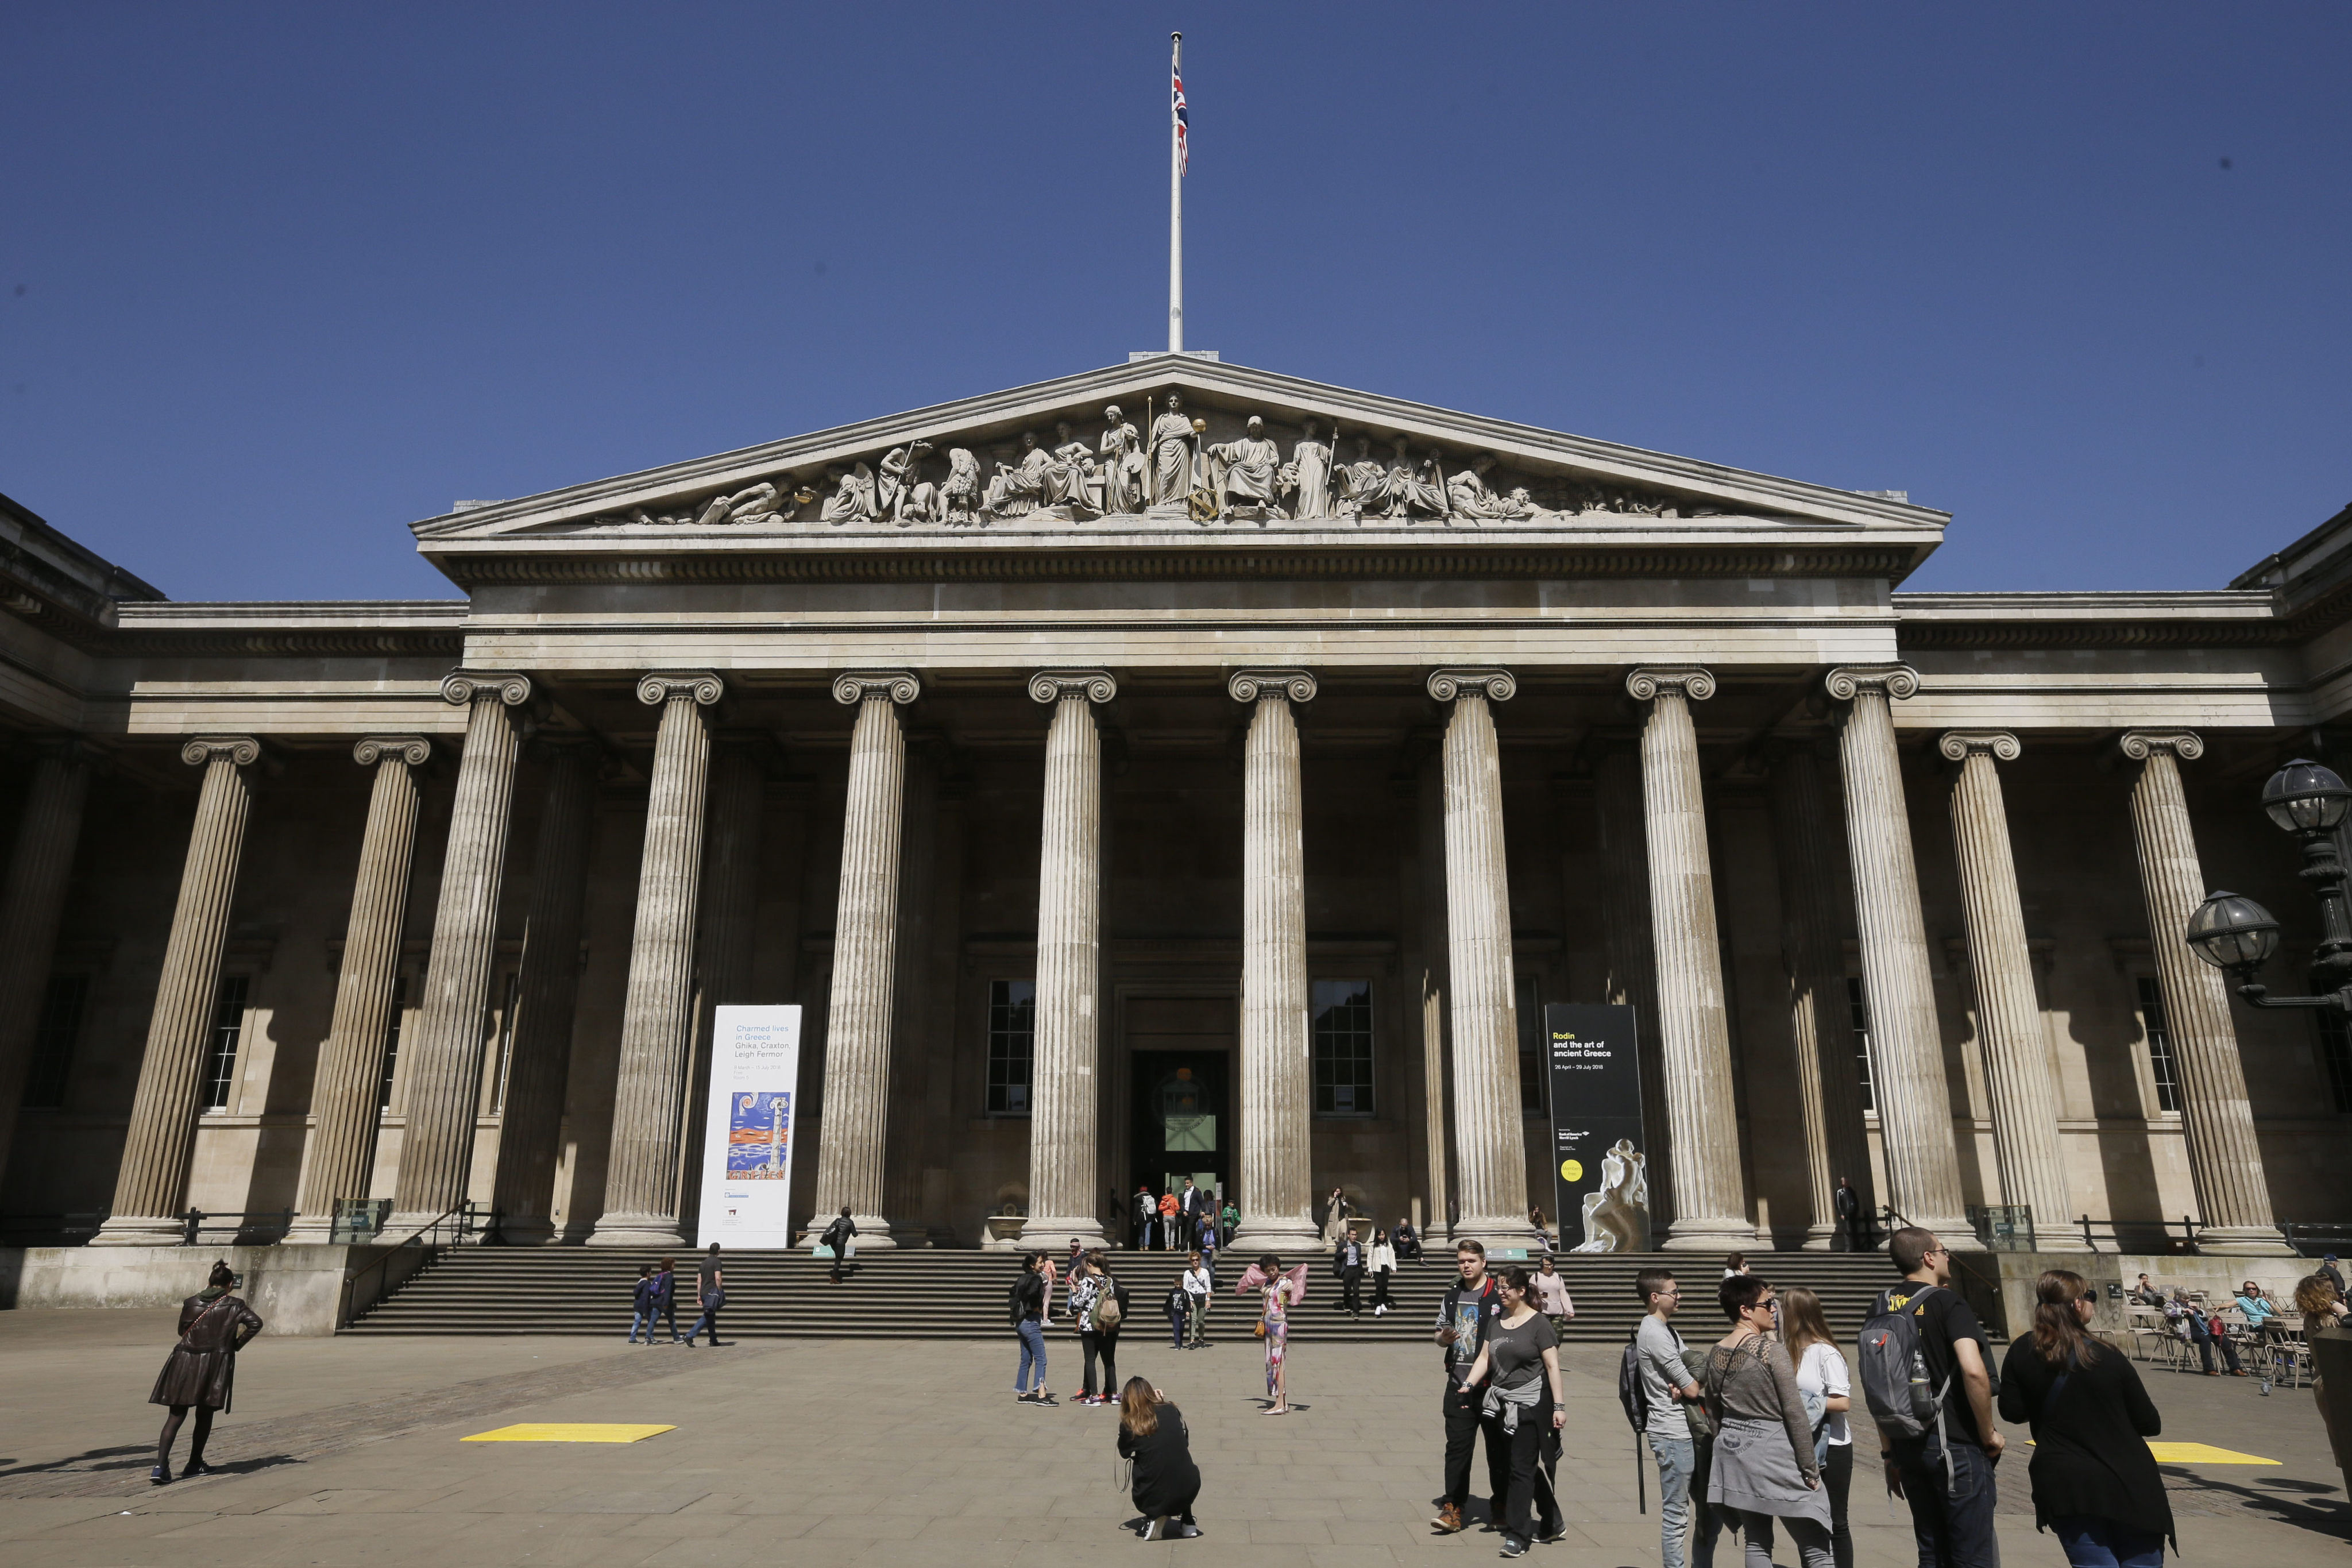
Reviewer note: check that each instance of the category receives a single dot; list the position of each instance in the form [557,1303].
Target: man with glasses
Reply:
[1680,1453]
[1464,1315]
[1947,1478]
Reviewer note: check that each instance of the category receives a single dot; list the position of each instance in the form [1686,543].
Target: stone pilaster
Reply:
[853,1133]
[1065,1083]
[1821,1018]
[724,929]
[1429,819]
[345,1108]
[1489,1132]
[31,901]
[1710,1200]
[444,1073]
[1633,964]
[547,988]
[2225,1159]
[2009,1015]
[641,1184]
[151,1189]
[1915,1104]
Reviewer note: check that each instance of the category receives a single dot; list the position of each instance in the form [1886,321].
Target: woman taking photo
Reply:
[201,1371]
[2094,1482]
[1763,1467]
[1822,1372]
[1525,1409]
[1151,1437]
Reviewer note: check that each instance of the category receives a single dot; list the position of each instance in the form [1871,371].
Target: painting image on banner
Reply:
[747,1153]
[1600,1169]
[759,1135]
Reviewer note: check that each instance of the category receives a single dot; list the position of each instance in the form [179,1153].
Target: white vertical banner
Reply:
[747,1158]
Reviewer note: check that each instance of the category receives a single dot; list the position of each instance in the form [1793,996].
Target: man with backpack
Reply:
[1926,1372]
[1655,1386]
[1464,1315]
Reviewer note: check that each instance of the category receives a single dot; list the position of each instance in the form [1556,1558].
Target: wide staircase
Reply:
[958,1294]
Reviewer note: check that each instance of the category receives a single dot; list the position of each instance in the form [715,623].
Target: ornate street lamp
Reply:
[2238,936]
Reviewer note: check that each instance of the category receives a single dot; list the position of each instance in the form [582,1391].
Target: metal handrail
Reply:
[191,1222]
[465,1217]
[2326,1235]
[2116,1230]
[27,1224]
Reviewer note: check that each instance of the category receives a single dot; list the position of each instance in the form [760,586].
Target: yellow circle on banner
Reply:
[1572,1169]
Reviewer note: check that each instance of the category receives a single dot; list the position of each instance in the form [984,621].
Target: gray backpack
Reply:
[1893,1375]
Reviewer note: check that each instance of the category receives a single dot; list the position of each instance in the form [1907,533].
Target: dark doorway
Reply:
[1183,1123]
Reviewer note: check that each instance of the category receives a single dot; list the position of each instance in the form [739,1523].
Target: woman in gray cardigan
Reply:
[1764,1468]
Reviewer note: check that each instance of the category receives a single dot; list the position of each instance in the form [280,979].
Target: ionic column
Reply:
[152,1186]
[345,1108]
[443,1074]
[1821,1018]
[547,988]
[2009,1015]
[641,1183]
[852,1137]
[1066,1089]
[1429,875]
[1490,1137]
[723,930]
[2225,1159]
[1277,1083]
[1710,1208]
[32,902]
[1915,1102]
[1632,968]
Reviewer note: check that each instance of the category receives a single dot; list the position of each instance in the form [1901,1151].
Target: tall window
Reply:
[1535,1061]
[392,1039]
[220,1057]
[2336,1055]
[2160,1044]
[1011,1045]
[1343,1048]
[1858,1008]
[54,1039]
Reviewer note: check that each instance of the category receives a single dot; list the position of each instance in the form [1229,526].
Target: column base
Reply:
[310,1230]
[526,1230]
[1818,1238]
[1718,1233]
[636,1230]
[140,1230]
[2243,1241]
[1495,1230]
[872,1233]
[1054,1232]
[1953,1230]
[1292,1240]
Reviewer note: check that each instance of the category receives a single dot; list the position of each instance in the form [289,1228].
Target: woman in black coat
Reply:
[201,1371]
[1151,1434]
[2095,1481]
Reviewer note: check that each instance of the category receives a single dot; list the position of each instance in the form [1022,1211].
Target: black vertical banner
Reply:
[1596,1128]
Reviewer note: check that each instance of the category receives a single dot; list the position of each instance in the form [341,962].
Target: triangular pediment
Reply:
[1045,464]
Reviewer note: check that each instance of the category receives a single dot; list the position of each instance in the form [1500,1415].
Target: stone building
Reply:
[1058,771]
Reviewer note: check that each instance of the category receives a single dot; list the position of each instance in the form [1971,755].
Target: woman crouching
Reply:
[1151,1434]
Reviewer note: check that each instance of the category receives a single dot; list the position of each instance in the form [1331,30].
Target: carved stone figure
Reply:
[1307,476]
[1121,449]
[1413,486]
[903,492]
[1017,488]
[1172,476]
[1363,485]
[854,499]
[1071,482]
[1472,499]
[958,500]
[1242,473]
[1617,1215]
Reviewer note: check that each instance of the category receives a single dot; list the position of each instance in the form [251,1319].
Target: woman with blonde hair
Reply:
[1822,1372]
[2094,1482]
[1151,1437]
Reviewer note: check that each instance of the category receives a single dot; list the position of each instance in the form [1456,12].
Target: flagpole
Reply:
[1175,207]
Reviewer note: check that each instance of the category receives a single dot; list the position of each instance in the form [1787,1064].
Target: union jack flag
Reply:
[1176,96]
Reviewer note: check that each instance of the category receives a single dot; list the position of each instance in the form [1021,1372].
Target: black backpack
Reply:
[1631,1391]
[1013,1306]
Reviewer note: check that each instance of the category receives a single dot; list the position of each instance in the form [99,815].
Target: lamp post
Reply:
[2238,936]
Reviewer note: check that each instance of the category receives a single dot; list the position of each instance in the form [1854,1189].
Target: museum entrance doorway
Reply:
[1179,1077]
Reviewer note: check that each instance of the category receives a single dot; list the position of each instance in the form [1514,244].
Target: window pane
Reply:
[1859,1010]
[1342,1054]
[1011,1045]
[392,1039]
[2159,1044]
[1535,1063]
[220,1061]
[54,1039]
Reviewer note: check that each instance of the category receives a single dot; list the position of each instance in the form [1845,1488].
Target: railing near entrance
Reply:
[417,1246]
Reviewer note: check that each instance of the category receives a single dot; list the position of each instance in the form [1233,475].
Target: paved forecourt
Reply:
[351,1451]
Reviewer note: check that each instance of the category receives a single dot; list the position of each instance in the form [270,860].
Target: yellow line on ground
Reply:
[567,1432]
[2202,1454]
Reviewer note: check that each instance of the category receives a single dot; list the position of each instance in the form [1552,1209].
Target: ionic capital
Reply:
[1957,745]
[1494,685]
[410,749]
[1644,683]
[1848,681]
[462,686]
[853,687]
[658,686]
[1050,686]
[2183,743]
[199,750]
[1249,685]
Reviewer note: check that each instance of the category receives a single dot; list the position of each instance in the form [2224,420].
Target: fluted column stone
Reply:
[346,1096]
[852,1137]
[1915,1103]
[151,1189]
[1632,979]
[1065,1082]
[1489,1132]
[547,990]
[1710,1201]
[641,1184]
[1429,823]
[444,1070]
[723,932]
[2225,1158]
[1821,1019]
[32,902]
[2026,1145]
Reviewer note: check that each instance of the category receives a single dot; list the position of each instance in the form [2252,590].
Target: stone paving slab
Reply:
[879,1453]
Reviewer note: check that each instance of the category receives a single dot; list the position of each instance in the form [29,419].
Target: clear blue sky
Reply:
[276,281]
